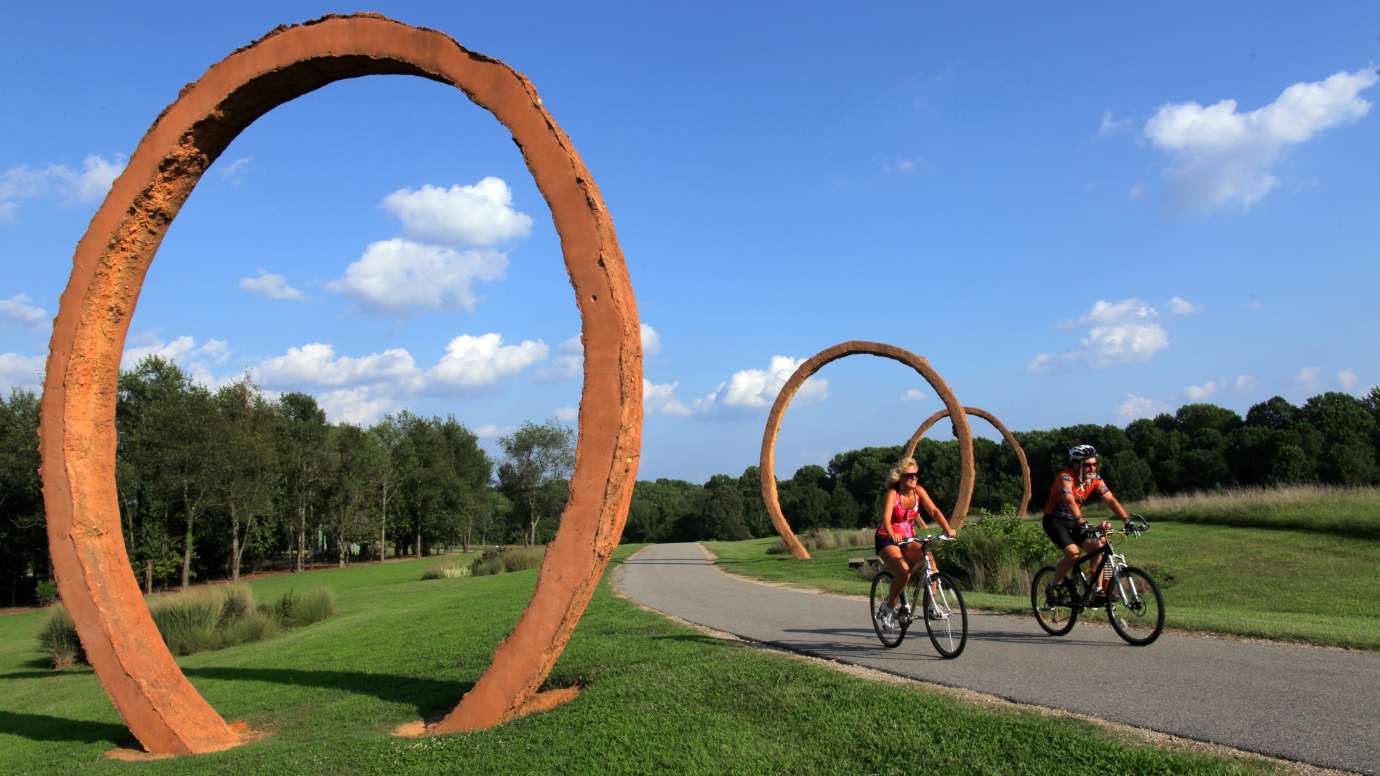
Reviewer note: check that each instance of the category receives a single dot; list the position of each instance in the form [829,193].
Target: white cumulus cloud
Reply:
[402,277]
[316,363]
[662,399]
[567,414]
[271,286]
[198,360]
[1111,124]
[1134,407]
[21,310]
[493,431]
[88,184]
[234,171]
[1201,392]
[1220,157]
[914,394]
[1246,383]
[360,405]
[1348,379]
[1121,332]
[476,362]
[18,371]
[754,389]
[480,215]
[567,364]
[1180,306]
[651,341]
[1309,378]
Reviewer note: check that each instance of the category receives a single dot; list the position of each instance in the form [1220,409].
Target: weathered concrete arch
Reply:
[1005,434]
[77,429]
[767,463]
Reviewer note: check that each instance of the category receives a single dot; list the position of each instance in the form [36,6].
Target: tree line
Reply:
[1332,438]
[214,483]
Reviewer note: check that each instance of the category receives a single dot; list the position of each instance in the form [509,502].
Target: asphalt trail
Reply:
[1314,705]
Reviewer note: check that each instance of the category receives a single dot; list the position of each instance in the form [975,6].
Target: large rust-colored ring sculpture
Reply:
[1005,434]
[77,431]
[767,464]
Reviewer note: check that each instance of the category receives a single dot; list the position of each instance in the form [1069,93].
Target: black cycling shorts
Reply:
[1064,531]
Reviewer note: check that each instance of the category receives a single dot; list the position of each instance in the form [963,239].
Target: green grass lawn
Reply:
[1292,585]
[658,696]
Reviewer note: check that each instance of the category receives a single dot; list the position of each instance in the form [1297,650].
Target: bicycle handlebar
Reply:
[926,539]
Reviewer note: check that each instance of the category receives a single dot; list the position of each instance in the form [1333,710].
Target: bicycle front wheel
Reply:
[1135,606]
[890,630]
[946,618]
[1052,603]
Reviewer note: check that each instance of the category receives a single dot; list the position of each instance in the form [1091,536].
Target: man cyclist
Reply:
[1064,523]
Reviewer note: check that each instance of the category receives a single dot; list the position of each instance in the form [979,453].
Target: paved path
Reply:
[1320,706]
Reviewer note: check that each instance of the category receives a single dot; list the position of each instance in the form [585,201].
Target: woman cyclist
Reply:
[1064,523]
[905,497]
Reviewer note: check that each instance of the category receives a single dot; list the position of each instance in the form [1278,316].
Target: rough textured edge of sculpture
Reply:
[1005,434]
[767,461]
[77,437]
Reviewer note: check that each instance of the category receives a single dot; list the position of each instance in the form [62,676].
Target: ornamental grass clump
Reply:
[827,539]
[447,571]
[200,620]
[499,561]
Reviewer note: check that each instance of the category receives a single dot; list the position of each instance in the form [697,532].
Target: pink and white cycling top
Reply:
[901,518]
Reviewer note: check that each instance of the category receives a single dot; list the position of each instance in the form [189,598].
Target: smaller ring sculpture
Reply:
[1005,434]
[814,364]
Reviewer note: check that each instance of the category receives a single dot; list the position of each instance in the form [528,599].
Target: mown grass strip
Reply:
[657,696]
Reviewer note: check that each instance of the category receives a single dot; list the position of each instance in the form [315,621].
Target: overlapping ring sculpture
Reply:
[767,462]
[1005,434]
[77,430]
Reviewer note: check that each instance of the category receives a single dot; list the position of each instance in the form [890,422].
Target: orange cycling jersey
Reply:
[1066,483]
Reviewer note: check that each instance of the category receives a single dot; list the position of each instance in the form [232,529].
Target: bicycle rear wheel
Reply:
[946,617]
[890,633]
[1051,603]
[1135,606]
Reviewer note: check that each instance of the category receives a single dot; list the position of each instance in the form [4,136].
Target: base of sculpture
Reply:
[241,729]
[542,701]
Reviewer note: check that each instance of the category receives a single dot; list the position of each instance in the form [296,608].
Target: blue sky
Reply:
[1079,218]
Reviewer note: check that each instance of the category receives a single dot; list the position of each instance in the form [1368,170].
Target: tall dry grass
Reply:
[828,539]
[1345,511]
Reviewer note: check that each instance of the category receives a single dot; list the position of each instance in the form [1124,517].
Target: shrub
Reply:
[998,554]
[828,539]
[47,592]
[58,638]
[295,610]
[447,571]
[499,561]
[187,621]
[200,620]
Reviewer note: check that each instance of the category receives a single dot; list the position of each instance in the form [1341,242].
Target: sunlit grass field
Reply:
[657,697]
[1314,508]
[1297,585]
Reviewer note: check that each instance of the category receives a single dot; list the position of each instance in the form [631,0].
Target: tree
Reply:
[247,474]
[23,541]
[348,489]
[537,454]
[384,474]
[301,439]
[187,466]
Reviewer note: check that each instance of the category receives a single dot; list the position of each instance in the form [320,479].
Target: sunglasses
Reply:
[910,476]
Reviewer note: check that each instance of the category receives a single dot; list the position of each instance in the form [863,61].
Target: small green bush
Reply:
[58,638]
[47,592]
[256,625]
[312,606]
[998,554]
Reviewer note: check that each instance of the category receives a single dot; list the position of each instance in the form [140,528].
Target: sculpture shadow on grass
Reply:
[429,697]
[43,727]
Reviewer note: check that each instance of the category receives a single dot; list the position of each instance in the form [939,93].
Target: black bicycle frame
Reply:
[1103,553]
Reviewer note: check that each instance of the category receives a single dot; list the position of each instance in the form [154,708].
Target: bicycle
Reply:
[1133,601]
[946,617]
